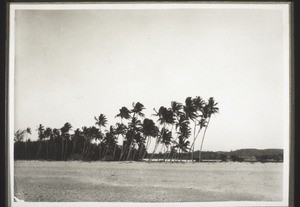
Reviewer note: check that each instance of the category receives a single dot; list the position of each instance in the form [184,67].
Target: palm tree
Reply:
[41,137]
[139,141]
[120,130]
[48,134]
[208,110]
[198,104]
[75,137]
[110,139]
[28,131]
[101,121]
[134,127]
[184,134]
[124,113]
[149,130]
[18,138]
[65,136]
[56,139]
[166,140]
[189,109]
[165,116]
[89,134]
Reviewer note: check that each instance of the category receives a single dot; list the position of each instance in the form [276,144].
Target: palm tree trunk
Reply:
[72,153]
[47,149]
[100,151]
[62,149]
[66,150]
[114,151]
[109,143]
[203,140]
[157,142]
[38,152]
[122,151]
[134,155]
[165,154]
[147,145]
[129,151]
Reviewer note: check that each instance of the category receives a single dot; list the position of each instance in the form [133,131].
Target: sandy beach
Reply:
[143,182]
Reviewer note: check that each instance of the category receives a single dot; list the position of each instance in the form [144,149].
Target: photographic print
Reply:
[149,103]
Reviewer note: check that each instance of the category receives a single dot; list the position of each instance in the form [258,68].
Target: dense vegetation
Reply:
[241,155]
[176,129]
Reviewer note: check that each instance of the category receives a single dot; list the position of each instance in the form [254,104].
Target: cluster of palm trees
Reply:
[174,133]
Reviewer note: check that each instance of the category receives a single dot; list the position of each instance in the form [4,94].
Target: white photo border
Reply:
[285,7]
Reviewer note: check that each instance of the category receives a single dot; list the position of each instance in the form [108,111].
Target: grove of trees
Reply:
[173,132]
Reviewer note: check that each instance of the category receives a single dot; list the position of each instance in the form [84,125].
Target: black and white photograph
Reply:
[149,104]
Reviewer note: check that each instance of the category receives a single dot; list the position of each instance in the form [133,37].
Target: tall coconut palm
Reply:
[166,140]
[75,137]
[65,137]
[124,113]
[198,104]
[134,127]
[19,138]
[56,139]
[89,134]
[189,109]
[48,134]
[101,121]
[120,130]
[110,139]
[41,137]
[165,117]
[139,141]
[149,130]
[28,131]
[208,110]
[184,134]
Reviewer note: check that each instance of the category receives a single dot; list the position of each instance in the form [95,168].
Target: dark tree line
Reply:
[174,133]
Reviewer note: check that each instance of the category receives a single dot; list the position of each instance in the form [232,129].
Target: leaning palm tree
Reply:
[134,127]
[149,130]
[208,110]
[165,117]
[198,104]
[166,141]
[124,113]
[184,134]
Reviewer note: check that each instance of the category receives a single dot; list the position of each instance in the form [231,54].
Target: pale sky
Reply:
[72,65]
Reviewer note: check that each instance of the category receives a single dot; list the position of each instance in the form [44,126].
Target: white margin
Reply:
[125,6]
[11,106]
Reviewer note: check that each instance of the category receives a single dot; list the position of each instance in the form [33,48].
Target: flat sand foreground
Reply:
[52,181]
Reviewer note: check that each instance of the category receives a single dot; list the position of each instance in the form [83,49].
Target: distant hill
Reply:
[262,155]
[247,153]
